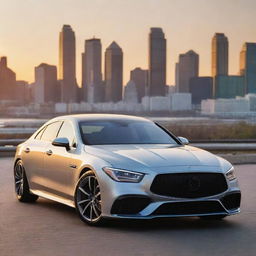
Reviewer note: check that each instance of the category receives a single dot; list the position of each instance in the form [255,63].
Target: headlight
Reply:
[123,175]
[231,174]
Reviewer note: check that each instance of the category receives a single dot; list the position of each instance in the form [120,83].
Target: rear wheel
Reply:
[21,184]
[88,199]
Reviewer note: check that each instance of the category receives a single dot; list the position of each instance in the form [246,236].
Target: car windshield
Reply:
[124,132]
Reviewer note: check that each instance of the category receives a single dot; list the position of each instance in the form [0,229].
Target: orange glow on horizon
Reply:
[29,37]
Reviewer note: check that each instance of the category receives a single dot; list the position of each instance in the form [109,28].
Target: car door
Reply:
[39,180]
[32,157]
[58,161]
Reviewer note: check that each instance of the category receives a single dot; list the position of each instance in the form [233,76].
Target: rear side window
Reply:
[51,131]
[39,134]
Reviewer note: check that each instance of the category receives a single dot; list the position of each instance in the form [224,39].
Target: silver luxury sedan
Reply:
[118,166]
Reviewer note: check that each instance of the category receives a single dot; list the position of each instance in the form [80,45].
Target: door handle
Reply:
[49,152]
[27,150]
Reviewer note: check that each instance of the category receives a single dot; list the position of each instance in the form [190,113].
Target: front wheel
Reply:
[88,199]
[21,184]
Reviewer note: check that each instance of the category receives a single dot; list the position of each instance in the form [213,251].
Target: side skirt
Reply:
[53,198]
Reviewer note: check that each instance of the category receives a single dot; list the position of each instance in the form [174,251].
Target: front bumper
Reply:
[136,201]
[124,208]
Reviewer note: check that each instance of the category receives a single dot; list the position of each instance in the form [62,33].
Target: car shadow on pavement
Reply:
[44,204]
[177,223]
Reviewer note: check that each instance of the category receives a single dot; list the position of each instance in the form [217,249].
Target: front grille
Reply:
[187,208]
[130,204]
[189,185]
[232,201]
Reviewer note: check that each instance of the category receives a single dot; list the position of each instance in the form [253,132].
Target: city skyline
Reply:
[96,89]
[234,18]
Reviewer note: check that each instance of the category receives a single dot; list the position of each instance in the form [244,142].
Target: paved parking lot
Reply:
[49,228]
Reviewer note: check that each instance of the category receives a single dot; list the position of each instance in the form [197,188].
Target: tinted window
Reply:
[124,132]
[67,131]
[51,131]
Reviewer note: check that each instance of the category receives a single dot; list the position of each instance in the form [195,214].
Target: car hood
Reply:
[154,155]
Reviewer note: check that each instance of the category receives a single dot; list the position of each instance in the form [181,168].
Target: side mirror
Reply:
[61,142]
[183,140]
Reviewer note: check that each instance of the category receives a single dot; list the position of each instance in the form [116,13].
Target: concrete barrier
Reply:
[234,153]
[11,142]
[226,146]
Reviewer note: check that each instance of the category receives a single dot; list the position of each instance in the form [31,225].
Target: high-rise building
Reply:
[229,86]
[176,76]
[113,73]
[157,62]
[219,55]
[219,59]
[7,81]
[46,84]
[91,71]
[248,66]
[188,67]
[67,64]
[130,92]
[200,88]
[24,92]
[140,78]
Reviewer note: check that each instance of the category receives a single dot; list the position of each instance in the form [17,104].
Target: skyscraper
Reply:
[188,68]
[24,92]
[140,78]
[157,62]
[46,84]
[248,66]
[219,60]
[130,92]
[7,81]
[229,86]
[67,64]
[219,55]
[200,89]
[91,71]
[113,73]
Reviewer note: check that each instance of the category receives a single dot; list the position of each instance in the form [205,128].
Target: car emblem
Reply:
[194,184]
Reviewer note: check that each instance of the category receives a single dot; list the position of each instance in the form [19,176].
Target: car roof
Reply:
[99,117]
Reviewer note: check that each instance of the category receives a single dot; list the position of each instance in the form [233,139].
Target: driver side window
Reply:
[67,131]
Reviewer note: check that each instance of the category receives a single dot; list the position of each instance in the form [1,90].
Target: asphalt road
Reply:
[49,228]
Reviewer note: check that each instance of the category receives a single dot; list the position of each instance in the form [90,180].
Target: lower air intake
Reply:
[187,208]
[130,204]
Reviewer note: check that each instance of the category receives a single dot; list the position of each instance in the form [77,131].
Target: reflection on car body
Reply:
[117,166]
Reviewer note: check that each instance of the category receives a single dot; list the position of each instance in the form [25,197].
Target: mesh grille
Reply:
[189,185]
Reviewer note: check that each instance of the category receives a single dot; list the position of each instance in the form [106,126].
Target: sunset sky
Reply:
[30,29]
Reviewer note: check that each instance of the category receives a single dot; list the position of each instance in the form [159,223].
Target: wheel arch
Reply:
[85,170]
[16,160]
[82,171]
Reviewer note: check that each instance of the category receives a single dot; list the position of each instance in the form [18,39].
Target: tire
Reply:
[21,184]
[213,217]
[88,199]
